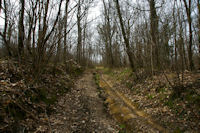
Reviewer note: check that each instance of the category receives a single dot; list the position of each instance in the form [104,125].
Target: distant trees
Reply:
[82,23]
[149,35]
[154,39]
[44,31]
[107,32]
[6,33]
[189,19]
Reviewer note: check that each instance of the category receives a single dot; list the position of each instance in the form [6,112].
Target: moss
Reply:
[107,71]
[162,97]
[133,89]
[122,127]
[126,71]
[50,100]
[178,130]
[129,85]
[97,78]
[43,96]
[169,103]
[76,71]
[150,96]
[161,90]
[63,90]
[189,98]
[197,100]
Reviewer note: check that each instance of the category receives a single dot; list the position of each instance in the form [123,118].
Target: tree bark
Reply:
[198,5]
[0,5]
[21,30]
[6,42]
[65,30]
[189,19]
[154,33]
[126,40]
[79,39]
[108,35]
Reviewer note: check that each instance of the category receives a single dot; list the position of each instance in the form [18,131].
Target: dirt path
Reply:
[82,111]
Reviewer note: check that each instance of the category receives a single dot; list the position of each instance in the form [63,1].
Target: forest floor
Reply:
[82,110]
[60,102]
[112,106]
[101,100]
[126,112]
[149,105]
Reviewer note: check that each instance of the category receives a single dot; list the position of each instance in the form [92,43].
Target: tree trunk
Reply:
[6,42]
[0,5]
[65,30]
[21,29]
[108,35]
[79,39]
[189,19]
[39,58]
[126,40]
[198,5]
[154,33]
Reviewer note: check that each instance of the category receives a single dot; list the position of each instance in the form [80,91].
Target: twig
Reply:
[3,127]
[32,115]
[168,80]
[49,123]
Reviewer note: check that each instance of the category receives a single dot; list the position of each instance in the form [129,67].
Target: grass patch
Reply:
[107,71]
[161,90]
[169,103]
[129,85]
[124,73]
[178,130]
[150,96]
[96,78]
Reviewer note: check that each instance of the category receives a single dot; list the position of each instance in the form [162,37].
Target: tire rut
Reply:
[125,112]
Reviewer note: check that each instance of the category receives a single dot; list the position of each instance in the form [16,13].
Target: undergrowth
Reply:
[157,92]
[26,102]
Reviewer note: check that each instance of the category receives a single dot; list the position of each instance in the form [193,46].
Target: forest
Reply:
[100,66]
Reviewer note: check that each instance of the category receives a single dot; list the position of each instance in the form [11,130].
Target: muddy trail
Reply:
[82,110]
[89,108]
[125,111]
[95,103]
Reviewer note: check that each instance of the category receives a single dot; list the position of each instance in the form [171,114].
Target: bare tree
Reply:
[4,34]
[79,39]
[198,6]
[126,40]
[43,36]
[0,5]
[154,33]
[108,34]
[65,29]
[189,19]
[21,33]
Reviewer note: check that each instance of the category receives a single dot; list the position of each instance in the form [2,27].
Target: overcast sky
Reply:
[1,20]
[94,12]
